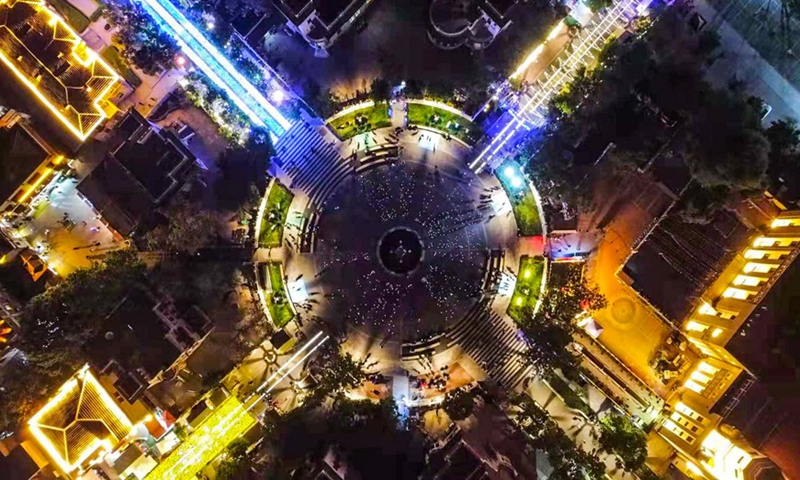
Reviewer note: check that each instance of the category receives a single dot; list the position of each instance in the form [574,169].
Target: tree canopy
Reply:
[458,404]
[658,78]
[621,437]
[569,461]
[549,331]
[189,229]
[56,326]
[144,42]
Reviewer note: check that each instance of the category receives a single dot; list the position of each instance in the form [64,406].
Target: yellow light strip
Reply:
[77,41]
[57,401]
[35,185]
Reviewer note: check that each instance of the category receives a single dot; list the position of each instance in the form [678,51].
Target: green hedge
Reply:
[526,212]
[114,58]
[74,17]
[529,283]
[277,300]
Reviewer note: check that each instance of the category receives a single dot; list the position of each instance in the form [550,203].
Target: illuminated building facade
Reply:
[706,447]
[321,22]
[46,55]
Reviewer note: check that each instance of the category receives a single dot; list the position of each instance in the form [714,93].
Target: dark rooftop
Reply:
[122,202]
[678,260]
[15,278]
[138,337]
[155,158]
[18,465]
[20,155]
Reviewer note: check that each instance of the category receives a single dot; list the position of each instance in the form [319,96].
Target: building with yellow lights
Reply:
[41,51]
[81,425]
[710,282]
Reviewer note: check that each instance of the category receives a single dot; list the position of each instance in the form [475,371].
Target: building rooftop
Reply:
[155,158]
[22,274]
[80,420]
[678,260]
[21,156]
[138,337]
[145,170]
[54,63]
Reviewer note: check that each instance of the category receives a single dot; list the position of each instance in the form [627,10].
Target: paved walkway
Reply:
[744,62]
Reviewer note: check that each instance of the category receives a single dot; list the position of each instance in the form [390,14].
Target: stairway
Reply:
[312,162]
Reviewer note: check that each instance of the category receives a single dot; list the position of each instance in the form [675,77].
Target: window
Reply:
[693,386]
[692,326]
[736,293]
[753,267]
[747,280]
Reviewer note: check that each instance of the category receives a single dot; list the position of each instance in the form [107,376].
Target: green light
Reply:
[226,423]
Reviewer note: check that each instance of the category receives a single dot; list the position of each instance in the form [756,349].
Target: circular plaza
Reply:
[401,249]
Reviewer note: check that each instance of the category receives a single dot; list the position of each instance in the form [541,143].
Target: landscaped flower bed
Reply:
[529,285]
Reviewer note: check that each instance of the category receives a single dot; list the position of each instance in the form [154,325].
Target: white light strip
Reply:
[291,359]
[310,352]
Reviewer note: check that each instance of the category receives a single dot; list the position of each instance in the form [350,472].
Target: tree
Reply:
[458,404]
[549,331]
[237,461]
[380,90]
[337,371]
[55,327]
[596,5]
[144,42]
[699,204]
[70,313]
[726,145]
[189,229]
[620,436]
[569,461]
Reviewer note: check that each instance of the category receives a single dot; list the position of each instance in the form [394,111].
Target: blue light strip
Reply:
[203,54]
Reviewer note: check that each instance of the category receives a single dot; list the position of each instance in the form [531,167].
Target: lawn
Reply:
[456,125]
[529,284]
[278,201]
[114,58]
[526,212]
[360,121]
[74,17]
[278,304]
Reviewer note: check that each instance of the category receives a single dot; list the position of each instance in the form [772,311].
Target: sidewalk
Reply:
[743,61]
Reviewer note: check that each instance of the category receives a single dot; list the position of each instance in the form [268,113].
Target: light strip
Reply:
[56,401]
[563,73]
[291,359]
[35,185]
[310,352]
[181,27]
